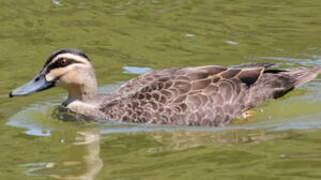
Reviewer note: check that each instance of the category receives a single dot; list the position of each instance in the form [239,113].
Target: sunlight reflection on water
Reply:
[136,70]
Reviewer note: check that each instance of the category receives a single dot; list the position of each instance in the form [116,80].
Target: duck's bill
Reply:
[39,83]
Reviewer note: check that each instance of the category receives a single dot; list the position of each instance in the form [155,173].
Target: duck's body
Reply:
[206,95]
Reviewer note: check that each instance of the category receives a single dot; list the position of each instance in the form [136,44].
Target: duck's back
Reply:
[206,95]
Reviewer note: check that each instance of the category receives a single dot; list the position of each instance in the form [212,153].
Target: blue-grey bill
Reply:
[39,83]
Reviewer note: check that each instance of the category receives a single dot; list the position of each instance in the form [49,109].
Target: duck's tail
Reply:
[302,76]
[276,83]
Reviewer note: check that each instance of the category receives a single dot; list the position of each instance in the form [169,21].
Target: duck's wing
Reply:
[249,65]
[206,95]
[192,73]
[145,80]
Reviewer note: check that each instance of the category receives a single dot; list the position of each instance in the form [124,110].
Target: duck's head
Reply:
[66,68]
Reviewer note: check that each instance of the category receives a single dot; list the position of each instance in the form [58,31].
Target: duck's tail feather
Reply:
[302,76]
[276,83]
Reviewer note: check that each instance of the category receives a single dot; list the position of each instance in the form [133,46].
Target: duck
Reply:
[210,95]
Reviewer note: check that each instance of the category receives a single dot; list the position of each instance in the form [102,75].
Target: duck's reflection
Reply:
[86,166]
[90,161]
[182,139]
[78,157]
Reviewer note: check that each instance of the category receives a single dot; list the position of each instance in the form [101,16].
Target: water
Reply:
[127,38]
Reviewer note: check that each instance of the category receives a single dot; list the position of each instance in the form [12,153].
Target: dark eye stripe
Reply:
[57,64]
[65,51]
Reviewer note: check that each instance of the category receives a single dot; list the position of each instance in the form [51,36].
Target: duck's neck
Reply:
[84,93]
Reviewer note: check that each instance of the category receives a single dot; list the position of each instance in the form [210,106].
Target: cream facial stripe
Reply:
[75,57]
[65,51]
[69,59]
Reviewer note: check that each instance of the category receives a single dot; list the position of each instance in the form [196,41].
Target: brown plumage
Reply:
[206,95]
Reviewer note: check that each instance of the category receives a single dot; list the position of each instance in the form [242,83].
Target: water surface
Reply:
[127,38]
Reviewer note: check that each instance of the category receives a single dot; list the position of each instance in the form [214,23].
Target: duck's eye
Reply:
[63,61]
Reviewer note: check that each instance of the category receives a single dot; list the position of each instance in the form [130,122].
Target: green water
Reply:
[123,39]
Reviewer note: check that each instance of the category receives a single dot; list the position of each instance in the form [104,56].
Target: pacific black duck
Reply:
[206,95]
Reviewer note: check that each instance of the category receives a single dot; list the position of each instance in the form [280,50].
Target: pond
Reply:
[127,38]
